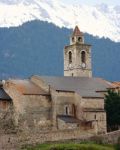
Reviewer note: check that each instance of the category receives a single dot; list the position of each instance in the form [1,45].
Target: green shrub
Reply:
[117,146]
[71,146]
[79,147]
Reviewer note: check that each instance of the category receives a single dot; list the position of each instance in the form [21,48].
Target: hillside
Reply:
[101,20]
[37,48]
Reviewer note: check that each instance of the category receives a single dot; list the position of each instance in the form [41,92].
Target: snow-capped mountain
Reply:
[100,20]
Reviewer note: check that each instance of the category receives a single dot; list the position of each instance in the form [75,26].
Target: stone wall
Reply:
[55,136]
[61,100]
[94,110]
[6,118]
[18,101]
[9,142]
[78,72]
[4,107]
[94,103]
[109,138]
[74,134]
[99,119]
[30,111]
[38,113]
[16,141]
[62,125]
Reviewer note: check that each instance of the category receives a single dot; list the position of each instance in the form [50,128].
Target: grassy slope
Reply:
[71,146]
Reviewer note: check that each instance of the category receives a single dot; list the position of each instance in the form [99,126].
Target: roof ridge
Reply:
[77,31]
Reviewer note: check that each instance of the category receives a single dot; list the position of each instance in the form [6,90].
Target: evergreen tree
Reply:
[112,106]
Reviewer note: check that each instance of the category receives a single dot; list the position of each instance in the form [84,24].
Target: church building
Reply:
[73,102]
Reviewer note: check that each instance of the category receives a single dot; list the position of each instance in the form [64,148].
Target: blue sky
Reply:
[93,2]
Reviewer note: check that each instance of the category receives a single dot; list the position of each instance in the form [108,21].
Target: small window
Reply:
[73,39]
[66,110]
[83,57]
[95,116]
[79,39]
[70,57]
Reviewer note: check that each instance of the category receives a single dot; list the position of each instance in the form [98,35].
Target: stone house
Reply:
[72,102]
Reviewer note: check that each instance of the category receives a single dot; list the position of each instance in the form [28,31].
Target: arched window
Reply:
[83,57]
[70,57]
[73,39]
[79,39]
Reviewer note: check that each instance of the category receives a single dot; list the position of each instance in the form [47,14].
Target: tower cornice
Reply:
[77,44]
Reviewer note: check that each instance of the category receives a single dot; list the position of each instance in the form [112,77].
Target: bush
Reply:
[71,146]
[79,147]
[117,146]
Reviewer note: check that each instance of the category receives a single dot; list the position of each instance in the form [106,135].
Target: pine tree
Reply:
[112,106]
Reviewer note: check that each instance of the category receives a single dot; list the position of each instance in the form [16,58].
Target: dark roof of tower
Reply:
[77,32]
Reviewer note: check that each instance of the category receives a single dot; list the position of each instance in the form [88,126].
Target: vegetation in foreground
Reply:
[112,106]
[72,146]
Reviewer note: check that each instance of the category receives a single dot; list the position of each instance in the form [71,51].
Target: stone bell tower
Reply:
[77,56]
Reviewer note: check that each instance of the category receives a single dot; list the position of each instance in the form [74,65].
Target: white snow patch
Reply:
[101,20]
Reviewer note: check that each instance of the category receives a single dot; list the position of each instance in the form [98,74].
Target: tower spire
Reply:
[77,36]
[77,31]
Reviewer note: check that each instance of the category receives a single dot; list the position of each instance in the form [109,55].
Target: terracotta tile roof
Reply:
[77,32]
[27,87]
[116,84]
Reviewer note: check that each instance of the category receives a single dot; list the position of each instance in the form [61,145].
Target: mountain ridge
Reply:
[100,20]
[36,47]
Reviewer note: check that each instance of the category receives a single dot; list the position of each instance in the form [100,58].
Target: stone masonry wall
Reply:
[55,136]
[16,141]
[30,111]
[94,103]
[97,114]
[63,125]
[38,112]
[99,120]
[109,138]
[60,100]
